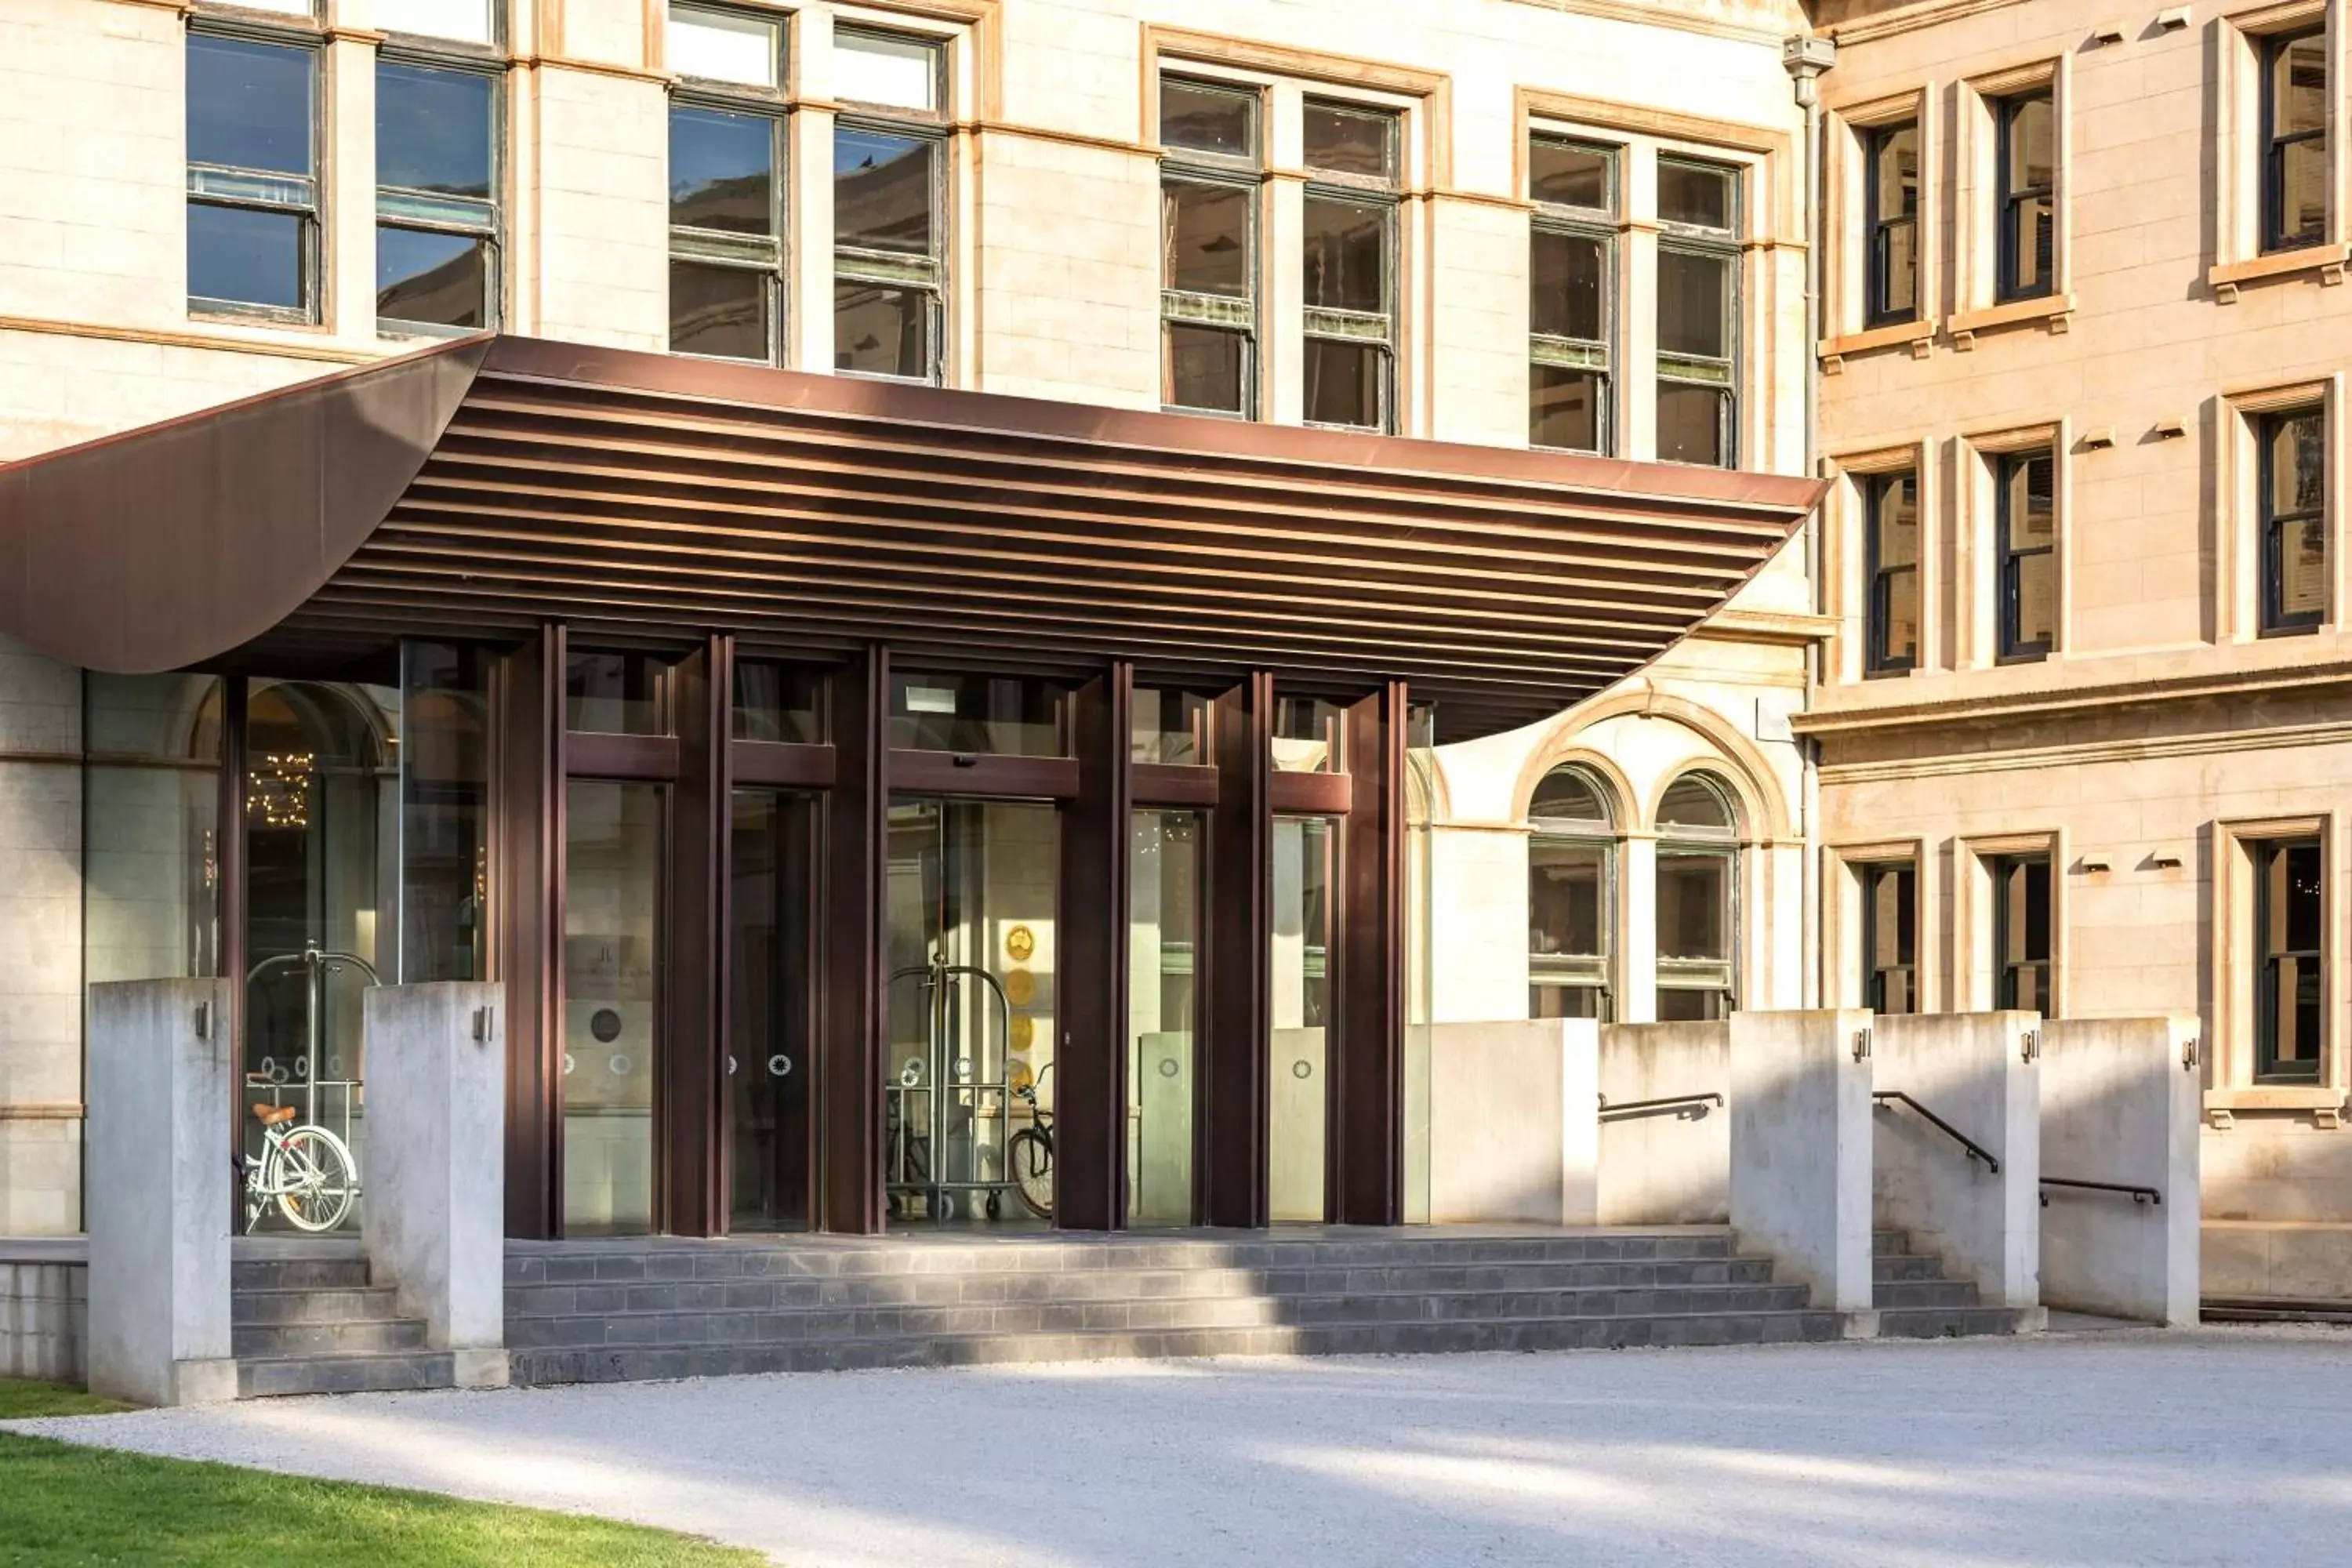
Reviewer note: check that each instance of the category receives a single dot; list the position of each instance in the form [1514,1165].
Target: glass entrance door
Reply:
[1300,1092]
[770,1015]
[1163,945]
[612,991]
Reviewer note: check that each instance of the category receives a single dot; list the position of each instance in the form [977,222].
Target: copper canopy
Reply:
[482,487]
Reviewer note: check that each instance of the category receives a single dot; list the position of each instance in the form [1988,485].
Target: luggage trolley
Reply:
[946,1114]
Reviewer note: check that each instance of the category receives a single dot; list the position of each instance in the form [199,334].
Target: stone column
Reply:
[434,1215]
[160,1191]
[1800,1151]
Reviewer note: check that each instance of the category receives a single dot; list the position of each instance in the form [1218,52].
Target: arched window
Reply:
[1571,875]
[1697,899]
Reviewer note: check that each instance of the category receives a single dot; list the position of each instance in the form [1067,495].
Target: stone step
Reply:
[1946,1322]
[1549,1333]
[374,1336]
[1889,1242]
[369,1303]
[267,1376]
[1931,1292]
[1905,1266]
[298,1273]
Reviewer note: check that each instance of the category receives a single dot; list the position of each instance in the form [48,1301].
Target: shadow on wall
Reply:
[1671,1166]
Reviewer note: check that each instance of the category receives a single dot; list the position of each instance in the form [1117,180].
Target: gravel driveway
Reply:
[2207,1446]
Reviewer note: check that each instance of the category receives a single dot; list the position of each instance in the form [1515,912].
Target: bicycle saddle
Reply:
[271,1115]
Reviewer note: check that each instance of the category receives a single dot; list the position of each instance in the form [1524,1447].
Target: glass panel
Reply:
[2030,507]
[970,1013]
[1569,795]
[1307,736]
[151,861]
[1570,173]
[984,715]
[1569,1001]
[769,1023]
[1205,229]
[1345,251]
[1565,408]
[1567,886]
[882,191]
[2299,86]
[1693,803]
[1691,424]
[726,45]
[2035,607]
[2301,216]
[1680,1004]
[1699,195]
[1891,948]
[884,68]
[1898,269]
[2029,145]
[778,702]
[431,279]
[445,760]
[1894,519]
[2301,568]
[726,312]
[467,19]
[1347,383]
[1206,368]
[248,256]
[249,104]
[1895,170]
[722,170]
[1171,727]
[2289,907]
[616,693]
[1694,906]
[1568,273]
[1301,976]
[612,987]
[2022,933]
[2033,243]
[881,330]
[1197,118]
[1339,140]
[434,129]
[1694,304]
[2298,464]
[1896,636]
[1163,945]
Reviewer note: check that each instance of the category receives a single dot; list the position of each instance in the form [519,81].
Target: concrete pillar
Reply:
[158,1191]
[1513,1123]
[1981,1072]
[2119,1103]
[434,1220]
[1800,1140]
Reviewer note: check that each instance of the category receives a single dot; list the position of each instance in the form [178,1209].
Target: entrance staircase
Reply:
[621,1311]
[308,1318]
[1916,1301]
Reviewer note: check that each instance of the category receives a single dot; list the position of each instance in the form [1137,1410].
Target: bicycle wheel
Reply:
[315,1178]
[1031,1154]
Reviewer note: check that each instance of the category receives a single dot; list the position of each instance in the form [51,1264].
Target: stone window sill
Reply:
[2275,1096]
[2054,310]
[1833,351]
[2327,261]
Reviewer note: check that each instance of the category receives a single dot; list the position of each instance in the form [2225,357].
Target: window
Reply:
[1349,259]
[727,187]
[1573,293]
[1698,311]
[1571,869]
[2292,478]
[437,180]
[2294,141]
[2022,934]
[2026,518]
[889,206]
[1697,913]
[1891,567]
[252,176]
[1208,239]
[2288,904]
[2027,156]
[1890,938]
[1891,219]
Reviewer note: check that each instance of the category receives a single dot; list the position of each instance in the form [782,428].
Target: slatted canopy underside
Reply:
[483,488]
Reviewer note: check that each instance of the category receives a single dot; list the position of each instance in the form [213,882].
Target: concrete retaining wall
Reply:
[1666,1167]
[44,1315]
[1513,1129]
[1975,1070]
[1800,1150]
[2119,1103]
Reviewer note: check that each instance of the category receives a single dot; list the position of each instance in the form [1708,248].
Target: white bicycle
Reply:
[306,1171]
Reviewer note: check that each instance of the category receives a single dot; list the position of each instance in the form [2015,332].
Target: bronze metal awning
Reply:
[482,487]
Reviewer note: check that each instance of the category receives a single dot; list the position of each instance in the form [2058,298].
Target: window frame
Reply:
[1216,312]
[2265,1042]
[1594,971]
[1876,226]
[2005,972]
[1598,225]
[249,190]
[2272,193]
[1702,370]
[2009,199]
[930,276]
[2007,577]
[1876,574]
[716,247]
[2272,619]
[1379,328]
[490,227]
[1711,976]
[1874,973]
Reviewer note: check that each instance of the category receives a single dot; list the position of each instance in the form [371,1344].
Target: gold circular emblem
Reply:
[1025,1030]
[1020,988]
[1020,943]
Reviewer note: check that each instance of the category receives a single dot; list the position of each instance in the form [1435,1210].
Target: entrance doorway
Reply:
[771,1012]
[1298,1065]
[968,1068]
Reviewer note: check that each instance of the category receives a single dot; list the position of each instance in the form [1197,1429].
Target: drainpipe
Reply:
[1805,57]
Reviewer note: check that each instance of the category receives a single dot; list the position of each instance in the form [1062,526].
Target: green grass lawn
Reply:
[64,1504]
[21,1400]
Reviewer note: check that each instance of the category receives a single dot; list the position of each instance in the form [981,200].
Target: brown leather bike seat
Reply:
[271,1115]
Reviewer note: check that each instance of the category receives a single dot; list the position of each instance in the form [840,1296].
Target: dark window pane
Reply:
[434,129]
[881,330]
[722,170]
[1895,516]
[1677,1006]
[1691,424]
[986,714]
[1691,803]
[1565,894]
[249,104]
[1695,194]
[1347,254]
[1895,169]
[1694,906]
[1346,383]
[433,280]
[720,310]
[1893,902]
[1205,233]
[1569,174]
[1342,141]
[2301,568]
[2035,603]
[2031,506]
[2299,86]
[1206,368]
[1565,285]
[882,191]
[1567,1001]
[1204,119]
[2298,464]
[246,255]
[611,693]
[2032,241]
[1566,794]
[778,702]
[1694,304]
[1897,275]
[1895,638]
[2301,216]
[2296,929]
[1565,407]
[2031,144]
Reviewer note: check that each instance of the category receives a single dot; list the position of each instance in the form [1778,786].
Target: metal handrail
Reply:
[2138,1194]
[1976,1150]
[1671,1101]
